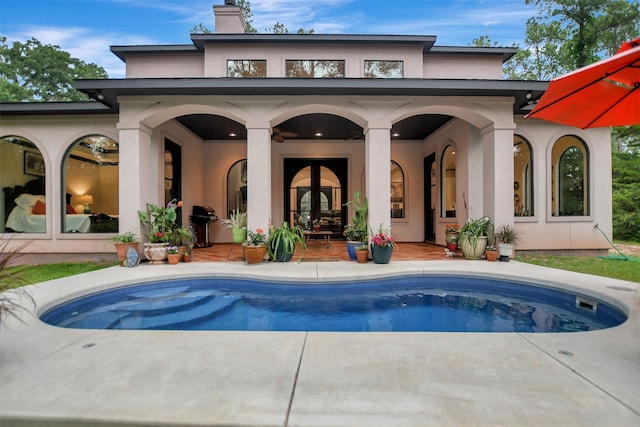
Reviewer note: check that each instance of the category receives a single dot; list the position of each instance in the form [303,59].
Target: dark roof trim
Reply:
[506,52]
[122,51]
[33,108]
[201,39]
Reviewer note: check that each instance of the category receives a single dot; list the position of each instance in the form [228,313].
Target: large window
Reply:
[570,160]
[90,186]
[333,69]
[246,68]
[448,183]
[522,177]
[383,69]
[22,178]
[397,191]
[237,187]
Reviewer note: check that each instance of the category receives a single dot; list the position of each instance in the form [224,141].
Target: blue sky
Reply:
[87,28]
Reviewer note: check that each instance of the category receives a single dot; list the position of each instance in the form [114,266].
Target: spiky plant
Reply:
[11,299]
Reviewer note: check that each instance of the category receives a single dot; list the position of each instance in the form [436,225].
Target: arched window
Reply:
[237,187]
[448,182]
[522,177]
[90,186]
[397,191]
[570,159]
[22,178]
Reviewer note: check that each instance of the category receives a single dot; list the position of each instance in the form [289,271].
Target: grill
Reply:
[201,218]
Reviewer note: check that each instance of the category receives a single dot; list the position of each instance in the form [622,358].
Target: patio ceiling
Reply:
[310,127]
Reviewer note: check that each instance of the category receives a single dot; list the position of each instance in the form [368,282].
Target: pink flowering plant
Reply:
[257,237]
[383,239]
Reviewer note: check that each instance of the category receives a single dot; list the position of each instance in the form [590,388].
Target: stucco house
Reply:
[288,127]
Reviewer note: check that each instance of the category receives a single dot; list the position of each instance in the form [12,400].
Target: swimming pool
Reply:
[406,304]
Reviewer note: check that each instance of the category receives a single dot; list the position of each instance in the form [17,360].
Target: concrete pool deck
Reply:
[55,376]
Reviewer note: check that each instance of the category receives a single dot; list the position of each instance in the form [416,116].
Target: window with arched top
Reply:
[237,187]
[448,182]
[90,186]
[22,178]
[522,177]
[397,199]
[569,177]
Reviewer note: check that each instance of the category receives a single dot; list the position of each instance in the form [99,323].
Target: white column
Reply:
[135,176]
[258,178]
[377,149]
[497,149]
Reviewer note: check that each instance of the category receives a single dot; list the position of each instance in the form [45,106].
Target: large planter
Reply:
[155,252]
[381,254]
[281,255]
[351,249]
[239,235]
[472,247]
[254,254]
[121,250]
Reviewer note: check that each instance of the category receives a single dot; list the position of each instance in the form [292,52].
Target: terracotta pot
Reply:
[362,256]
[173,258]
[492,255]
[121,250]
[155,252]
[186,257]
[254,254]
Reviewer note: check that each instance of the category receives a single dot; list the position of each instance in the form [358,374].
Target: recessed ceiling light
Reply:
[318,134]
[232,135]
[395,134]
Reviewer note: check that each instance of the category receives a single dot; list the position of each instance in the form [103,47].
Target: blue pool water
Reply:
[409,304]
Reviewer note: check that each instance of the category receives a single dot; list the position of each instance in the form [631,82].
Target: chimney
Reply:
[229,19]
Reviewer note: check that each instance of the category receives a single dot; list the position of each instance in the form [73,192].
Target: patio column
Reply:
[497,148]
[377,151]
[136,181]
[258,177]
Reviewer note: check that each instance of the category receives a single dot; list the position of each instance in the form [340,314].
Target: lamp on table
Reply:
[86,200]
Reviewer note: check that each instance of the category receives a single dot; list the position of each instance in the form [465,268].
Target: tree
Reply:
[35,72]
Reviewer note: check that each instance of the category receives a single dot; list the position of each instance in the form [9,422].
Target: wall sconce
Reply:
[86,200]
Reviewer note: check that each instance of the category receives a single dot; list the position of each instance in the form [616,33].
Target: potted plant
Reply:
[282,241]
[382,246]
[186,256]
[173,255]
[237,222]
[507,235]
[491,252]
[356,232]
[452,231]
[124,241]
[362,253]
[182,237]
[473,237]
[255,247]
[159,222]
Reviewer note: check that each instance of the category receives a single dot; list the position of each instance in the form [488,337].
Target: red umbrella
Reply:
[599,95]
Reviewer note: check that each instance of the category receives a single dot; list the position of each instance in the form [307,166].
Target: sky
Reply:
[87,28]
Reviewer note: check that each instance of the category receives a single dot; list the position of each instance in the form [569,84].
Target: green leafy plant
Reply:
[236,220]
[160,221]
[257,237]
[282,241]
[182,236]
[471,233]
[357,230]
[508,234]
[128,237]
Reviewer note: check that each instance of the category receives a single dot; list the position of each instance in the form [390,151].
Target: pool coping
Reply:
[50,374]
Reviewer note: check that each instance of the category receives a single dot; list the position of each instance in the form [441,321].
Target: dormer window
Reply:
[383,69]
[246,68]
[315,69]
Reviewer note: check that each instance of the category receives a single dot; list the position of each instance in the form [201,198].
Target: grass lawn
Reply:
[29,274]
[613,268]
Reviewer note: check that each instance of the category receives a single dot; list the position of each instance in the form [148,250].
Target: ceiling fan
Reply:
[280,135]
